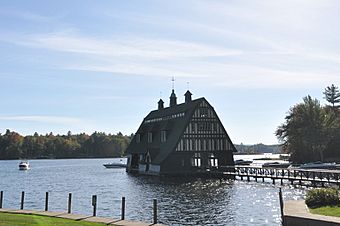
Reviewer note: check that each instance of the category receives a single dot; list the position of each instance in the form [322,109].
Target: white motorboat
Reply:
[24,165]
[318,165]
[114,165]
[120,164]
[243,162]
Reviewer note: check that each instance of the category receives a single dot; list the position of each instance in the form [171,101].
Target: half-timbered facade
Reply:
[186,138]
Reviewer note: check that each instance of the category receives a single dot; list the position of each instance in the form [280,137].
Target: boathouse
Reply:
[182,139]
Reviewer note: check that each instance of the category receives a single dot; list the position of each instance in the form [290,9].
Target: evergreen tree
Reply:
[332,95]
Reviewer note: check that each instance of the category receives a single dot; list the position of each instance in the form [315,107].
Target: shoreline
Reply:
[80,217]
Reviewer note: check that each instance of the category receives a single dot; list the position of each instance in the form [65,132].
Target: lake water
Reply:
[181,201]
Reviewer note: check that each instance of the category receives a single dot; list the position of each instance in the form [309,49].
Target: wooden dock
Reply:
[309,177]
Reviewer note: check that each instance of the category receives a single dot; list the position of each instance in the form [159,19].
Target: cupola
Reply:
[187,97]
[173,99]
[160,104]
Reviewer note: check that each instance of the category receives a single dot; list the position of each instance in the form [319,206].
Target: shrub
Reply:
[322,197]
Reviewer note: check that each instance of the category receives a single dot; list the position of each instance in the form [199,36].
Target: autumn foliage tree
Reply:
[309,131]
[14,146]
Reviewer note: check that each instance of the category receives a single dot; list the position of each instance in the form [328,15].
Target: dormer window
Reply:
[149,137]
[163,136]
[137,138]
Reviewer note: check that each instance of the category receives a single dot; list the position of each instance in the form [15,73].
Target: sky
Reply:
[86,66]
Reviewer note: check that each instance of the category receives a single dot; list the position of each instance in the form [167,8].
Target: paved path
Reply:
[298,209]
[80,217]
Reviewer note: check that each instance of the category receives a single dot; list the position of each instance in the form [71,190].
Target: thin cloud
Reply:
[25,15]
[122,46]
[41,119]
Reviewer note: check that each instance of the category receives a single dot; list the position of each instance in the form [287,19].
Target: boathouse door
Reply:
[147,161]
[134,161]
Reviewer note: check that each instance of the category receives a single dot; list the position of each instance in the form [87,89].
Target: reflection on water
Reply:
[180,201]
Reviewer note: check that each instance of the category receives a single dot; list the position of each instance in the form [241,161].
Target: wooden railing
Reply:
[314,177]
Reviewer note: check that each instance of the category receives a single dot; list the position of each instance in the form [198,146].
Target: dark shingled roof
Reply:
[174,126]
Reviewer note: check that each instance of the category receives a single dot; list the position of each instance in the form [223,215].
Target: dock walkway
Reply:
[314,177]
[79,217]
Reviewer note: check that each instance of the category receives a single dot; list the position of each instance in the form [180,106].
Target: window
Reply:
[163,136]
[137,138]
[213,161]
[149,137]
[203,112]
[197,160]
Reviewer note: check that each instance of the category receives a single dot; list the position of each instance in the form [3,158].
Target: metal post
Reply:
[281,206]
[123,208]
[94,204]
[46,201]
[22,200]
[69,203]
[1,198]
[155,211]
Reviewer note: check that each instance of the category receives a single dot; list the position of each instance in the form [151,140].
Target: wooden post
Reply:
[281,206]
[1,198]
[123,208]
[273,180]
[263,179]
[154,211]
[46,201]
[94,204]
[69,203]
[22,200]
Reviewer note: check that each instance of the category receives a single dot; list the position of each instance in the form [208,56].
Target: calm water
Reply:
[181,202]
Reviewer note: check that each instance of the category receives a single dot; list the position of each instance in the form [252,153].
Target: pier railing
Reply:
[314,177]
[94,205]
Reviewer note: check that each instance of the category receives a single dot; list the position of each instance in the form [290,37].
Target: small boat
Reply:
[243,162]
[115,165]
[24,165]
[276,164]
[318,165]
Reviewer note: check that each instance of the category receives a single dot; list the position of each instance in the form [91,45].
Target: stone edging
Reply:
[296,213]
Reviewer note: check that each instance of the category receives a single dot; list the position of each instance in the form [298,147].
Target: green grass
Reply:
[28,220]
[327,211]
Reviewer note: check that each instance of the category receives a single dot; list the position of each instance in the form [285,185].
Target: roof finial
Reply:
[173,82]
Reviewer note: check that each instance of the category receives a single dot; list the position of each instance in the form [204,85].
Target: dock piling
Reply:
[22,200]
[1,198]
[46,201]
[281,205]
[94,204]
[154,211]
[123,208]
[69,203]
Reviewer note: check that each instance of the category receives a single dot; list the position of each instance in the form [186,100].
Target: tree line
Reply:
[311,131]
[97,145]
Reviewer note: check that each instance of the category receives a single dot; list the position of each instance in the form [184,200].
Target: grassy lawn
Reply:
[327,210]
[28,220]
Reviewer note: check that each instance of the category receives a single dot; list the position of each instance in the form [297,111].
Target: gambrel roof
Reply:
[173,120]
